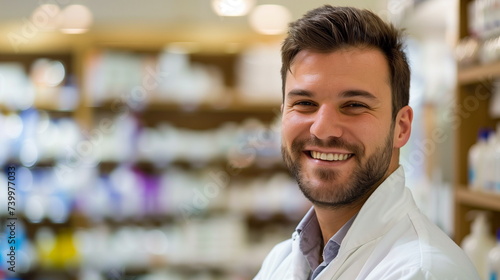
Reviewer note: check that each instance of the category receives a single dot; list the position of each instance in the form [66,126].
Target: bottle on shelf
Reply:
[489,163]
[476,163]
[494,260]
[495,163]
[478,243]
[494,109]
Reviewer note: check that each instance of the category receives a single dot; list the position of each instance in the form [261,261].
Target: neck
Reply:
[331,220]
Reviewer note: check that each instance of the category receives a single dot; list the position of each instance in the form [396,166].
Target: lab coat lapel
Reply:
[384,207]
[299,267]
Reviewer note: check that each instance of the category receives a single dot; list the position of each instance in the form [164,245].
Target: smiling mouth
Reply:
[329,156]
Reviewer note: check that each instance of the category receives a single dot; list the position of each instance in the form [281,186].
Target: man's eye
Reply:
[304,103]
[356,105]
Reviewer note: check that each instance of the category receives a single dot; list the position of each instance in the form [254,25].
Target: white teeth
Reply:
[329,156]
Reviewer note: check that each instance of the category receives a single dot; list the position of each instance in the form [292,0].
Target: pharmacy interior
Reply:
[142,140]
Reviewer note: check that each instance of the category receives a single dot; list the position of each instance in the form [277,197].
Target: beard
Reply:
[367,174]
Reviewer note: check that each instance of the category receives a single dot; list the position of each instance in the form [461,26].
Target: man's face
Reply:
[337,129]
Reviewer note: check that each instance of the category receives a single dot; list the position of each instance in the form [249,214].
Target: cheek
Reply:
[371,133]
[292,127]
[286,133]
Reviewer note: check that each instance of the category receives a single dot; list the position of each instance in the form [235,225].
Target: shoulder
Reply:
[440,253]
[426,252]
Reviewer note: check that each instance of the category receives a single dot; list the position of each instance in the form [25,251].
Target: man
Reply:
[345,115]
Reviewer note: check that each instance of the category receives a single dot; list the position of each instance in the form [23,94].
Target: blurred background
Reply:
[141,140]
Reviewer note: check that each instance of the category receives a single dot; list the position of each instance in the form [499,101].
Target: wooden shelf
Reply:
[487,201]
[5,110]
[257,168]
[201,117]
[40,163]
[478,73]
[53,111]
[51,107]
[252,219]
[231,107]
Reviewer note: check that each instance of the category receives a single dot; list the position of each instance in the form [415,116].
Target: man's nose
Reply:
[327,122]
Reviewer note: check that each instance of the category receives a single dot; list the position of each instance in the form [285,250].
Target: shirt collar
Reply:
[310,242]
[310,238]
[309,217]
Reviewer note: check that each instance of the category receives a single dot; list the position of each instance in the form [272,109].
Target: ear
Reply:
[402,126]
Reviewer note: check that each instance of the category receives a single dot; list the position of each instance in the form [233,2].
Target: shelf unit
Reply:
[205,116]
[473,96]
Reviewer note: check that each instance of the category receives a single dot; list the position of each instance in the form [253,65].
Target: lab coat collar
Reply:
[383,209]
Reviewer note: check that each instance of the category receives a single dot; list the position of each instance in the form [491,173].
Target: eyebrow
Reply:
[358,93]
[299,92]
[344,94]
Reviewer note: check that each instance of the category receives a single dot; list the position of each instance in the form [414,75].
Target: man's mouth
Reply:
[329,156]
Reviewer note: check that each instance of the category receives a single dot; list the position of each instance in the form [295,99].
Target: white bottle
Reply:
[476,161]
[479,242]
[494,260]
[488,161]
[496,162]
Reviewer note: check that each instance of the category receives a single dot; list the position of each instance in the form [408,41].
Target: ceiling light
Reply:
[76,19]
[270,19]
[232,8]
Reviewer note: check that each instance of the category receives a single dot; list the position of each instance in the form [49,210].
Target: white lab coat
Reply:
[390,239]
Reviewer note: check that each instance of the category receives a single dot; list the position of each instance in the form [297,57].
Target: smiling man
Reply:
[345,115]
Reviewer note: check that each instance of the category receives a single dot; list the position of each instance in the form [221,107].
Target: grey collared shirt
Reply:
[311,242]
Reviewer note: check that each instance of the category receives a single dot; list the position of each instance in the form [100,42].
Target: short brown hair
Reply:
[327,29]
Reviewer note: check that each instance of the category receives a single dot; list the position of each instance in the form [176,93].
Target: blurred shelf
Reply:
[221,106]
[253,220]
[5,110]
[50,109]
[193,116]
[478,73]
[258,167]
[203,120]
[40,272]
[41,163]
[487,201]
[216,107]
[26,59]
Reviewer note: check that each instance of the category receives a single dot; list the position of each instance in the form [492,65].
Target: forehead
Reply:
[364,68]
